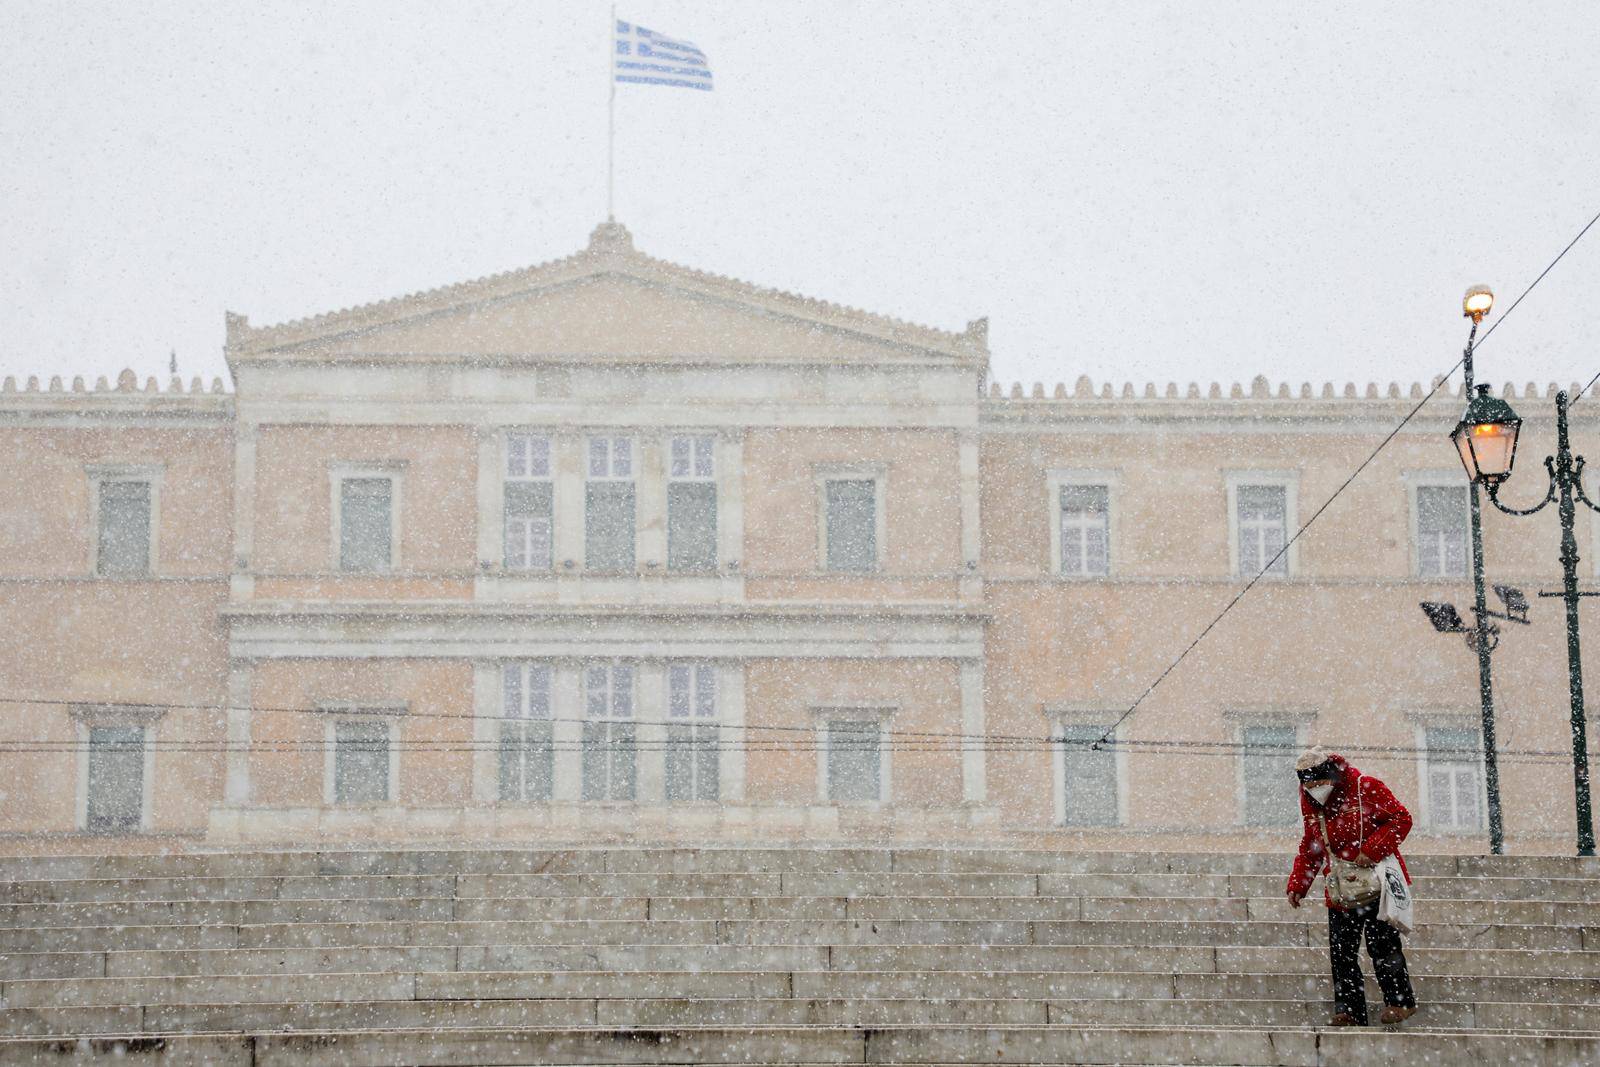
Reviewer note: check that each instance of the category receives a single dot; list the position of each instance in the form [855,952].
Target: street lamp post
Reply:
[1475,305]
[1487,438]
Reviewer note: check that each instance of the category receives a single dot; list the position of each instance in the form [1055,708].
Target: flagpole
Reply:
[611,117]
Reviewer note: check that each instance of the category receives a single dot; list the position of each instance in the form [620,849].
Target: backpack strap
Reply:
[1361,828]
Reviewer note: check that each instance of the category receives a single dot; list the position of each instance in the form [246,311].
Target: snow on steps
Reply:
[823,1045]
[766,955]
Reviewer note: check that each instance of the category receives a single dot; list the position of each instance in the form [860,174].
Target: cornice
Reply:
[55,405]
[1260,388]
[610,253]
[279,610]
[1259,402]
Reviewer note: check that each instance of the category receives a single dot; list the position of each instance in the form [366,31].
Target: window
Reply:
[529,493]
[366,523]
[855,760]
[115,784]
[692,504]
[693,771]
[1261,525]
[1442,531]
[850,531]
[1591,486]
[124,524]
[1454,782]
[527,751]
[1270,789]
[609,505]
[361,762]
[1085,530]
[608,733]
[1088,778]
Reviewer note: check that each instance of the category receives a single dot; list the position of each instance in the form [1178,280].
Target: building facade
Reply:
[610,548]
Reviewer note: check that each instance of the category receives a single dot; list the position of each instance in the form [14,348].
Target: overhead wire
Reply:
[746,737]
[320,747]
[1392,434]
[1584,390]
[798,738]
[376,709]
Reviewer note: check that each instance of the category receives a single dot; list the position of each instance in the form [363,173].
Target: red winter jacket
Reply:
[1383,822]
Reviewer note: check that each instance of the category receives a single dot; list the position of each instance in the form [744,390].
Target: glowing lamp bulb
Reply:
[1476,304]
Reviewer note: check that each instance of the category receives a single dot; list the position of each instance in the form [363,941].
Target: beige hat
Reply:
[1311,757]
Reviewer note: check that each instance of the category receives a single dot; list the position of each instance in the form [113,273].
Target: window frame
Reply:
[713,479]
[609,718]
[611,440]
[1433,479]
[693,437]
[1060,722]
[507,479]
[87,716]
[521,718]
[1243,779]
[878,474]
[1591,487]
[336,713]
[1060,479]
[1289,482]
[100,473]
[610,478]
[884,715]
[1425,762]
[696,723]
[341,471]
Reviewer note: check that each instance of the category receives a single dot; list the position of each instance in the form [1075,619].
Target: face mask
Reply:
[1319,793]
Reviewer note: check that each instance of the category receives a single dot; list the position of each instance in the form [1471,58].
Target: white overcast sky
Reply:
[1189,191]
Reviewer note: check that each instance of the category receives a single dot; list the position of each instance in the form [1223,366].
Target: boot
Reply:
[1393,1014]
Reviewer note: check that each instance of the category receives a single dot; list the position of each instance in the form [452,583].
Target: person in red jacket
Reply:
[1365,824]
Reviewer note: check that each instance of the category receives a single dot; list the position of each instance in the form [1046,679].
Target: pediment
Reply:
[606,304]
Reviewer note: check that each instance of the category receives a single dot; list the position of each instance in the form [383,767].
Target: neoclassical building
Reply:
[613,548]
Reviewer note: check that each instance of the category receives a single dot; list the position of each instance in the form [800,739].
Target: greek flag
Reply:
[644,57]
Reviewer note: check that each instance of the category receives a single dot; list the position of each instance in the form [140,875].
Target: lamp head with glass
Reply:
[1477,302]
[1486,438]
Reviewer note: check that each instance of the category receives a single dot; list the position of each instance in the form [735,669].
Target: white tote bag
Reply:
[1395,902]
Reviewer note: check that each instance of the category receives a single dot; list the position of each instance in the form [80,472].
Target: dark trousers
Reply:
[1345,928]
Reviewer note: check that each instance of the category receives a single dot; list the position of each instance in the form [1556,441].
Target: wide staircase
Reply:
[775,955]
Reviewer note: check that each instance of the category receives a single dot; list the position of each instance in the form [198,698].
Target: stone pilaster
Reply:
[566,701]
[974,763]
[241,584]
[650,708]
[236,784]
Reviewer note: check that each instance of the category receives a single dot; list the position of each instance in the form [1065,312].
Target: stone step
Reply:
[1164,959]
[1142,985]
[821,985]
[621,958]
[1315,1011]
[279,887]
[656,1013]
[662,911]
[620,954]
[823,1044]
[1267,932]
[731,859]
[758,886]
[1449,888]
[229,912]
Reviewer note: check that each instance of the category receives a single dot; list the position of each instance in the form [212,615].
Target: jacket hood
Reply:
[1348,777]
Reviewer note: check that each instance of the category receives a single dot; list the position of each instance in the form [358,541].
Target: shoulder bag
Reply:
[1350,885]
